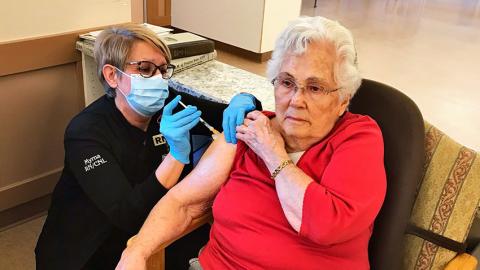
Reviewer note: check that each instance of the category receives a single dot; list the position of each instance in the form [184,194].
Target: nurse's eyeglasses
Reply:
[147,69]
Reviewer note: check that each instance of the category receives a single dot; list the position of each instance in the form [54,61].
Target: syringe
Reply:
[212,129]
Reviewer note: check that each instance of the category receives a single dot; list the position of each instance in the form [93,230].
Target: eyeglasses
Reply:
[147,69]
[288,83]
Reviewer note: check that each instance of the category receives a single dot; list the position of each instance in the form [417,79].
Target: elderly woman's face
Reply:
[308,112]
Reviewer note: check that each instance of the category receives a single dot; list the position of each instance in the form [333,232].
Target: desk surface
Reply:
[212,80]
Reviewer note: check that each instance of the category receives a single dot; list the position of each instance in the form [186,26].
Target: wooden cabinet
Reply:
[252,25]
[159,12]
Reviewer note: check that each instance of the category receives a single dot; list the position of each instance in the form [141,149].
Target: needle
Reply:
[212,129]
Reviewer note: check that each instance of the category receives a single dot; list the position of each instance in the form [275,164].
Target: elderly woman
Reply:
[117,163]
[303,186]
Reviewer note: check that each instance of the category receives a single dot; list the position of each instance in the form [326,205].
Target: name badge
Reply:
[158,140]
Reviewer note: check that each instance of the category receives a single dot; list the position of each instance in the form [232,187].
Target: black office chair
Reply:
[403,133]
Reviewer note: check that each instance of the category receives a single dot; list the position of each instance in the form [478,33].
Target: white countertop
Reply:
[214,80]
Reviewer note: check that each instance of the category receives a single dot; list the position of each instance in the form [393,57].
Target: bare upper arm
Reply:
[201,185]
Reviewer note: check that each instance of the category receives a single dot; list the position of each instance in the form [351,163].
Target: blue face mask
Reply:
[147,95]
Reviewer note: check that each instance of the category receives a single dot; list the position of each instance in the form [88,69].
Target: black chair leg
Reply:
[315,5]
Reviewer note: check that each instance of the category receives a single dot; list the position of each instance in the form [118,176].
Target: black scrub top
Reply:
[108,186]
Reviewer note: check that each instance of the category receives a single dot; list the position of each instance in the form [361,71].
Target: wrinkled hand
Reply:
[176,129]
[131,260]
[234,114]
[258,133]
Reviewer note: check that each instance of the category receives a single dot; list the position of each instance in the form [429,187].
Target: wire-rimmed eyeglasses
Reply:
[285,82]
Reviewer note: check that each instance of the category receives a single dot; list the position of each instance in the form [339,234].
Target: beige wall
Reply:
[33,18]
[41,89]
[34,110]
[38,97]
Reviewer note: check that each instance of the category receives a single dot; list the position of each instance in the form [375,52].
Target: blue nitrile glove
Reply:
[234,114]
[176,129]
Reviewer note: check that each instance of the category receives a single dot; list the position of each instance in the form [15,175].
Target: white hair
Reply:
[304,30]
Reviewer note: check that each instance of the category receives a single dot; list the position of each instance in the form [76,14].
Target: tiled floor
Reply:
[430,50]
[17,244]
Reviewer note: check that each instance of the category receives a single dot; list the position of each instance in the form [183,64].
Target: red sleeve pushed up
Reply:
[344,200]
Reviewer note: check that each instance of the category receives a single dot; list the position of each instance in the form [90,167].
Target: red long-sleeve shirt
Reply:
[251,231]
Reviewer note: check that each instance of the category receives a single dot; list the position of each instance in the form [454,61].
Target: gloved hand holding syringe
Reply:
[212,129]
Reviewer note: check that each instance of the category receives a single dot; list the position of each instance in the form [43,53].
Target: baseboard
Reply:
[257,57]
[24,212]
[26,190]
[16,200]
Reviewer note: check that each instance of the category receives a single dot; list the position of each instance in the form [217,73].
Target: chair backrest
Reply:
[403,133]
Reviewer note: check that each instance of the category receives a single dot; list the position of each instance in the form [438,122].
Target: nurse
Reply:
[124,152]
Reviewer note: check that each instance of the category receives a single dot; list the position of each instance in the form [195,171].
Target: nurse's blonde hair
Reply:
[113,46]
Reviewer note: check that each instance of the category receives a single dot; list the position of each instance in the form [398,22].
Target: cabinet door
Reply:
[158,12]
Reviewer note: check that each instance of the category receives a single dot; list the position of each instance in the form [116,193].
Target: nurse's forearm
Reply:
[169,171]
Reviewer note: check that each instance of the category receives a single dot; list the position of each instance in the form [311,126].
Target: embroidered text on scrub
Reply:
[93,162]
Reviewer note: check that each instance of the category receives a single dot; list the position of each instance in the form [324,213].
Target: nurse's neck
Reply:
[132,117]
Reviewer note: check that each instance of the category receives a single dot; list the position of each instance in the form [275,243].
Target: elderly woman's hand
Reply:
[132,260]
[258,133]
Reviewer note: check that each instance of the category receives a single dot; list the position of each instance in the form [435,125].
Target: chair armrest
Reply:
[157,260]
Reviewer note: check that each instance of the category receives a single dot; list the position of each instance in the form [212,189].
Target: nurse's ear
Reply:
[110,74]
